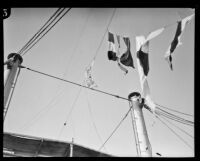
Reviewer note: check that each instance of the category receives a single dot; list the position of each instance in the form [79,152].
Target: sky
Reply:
[40,105]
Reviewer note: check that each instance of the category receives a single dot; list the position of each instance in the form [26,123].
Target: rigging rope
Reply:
[72,107]
[93,122]
[115,129]
[178,128]
[76,46]
[74,83]
[104,34]
[175,133]
[174,110]
[174,119]
[40,31]
[172,115]
[45,109]
[167,114]
[47,31]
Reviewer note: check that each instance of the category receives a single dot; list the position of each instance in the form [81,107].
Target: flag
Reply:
[88,74]
[111,51]
[118,41]
[121,67]
[122,59]
[155,33]
[142,52]
[126,58]
[142,48]
[176,41]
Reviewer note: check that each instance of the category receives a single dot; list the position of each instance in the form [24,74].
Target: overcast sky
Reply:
[40,104]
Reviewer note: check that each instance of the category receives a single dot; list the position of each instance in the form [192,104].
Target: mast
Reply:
[10,74]
[141,137]
[71,148]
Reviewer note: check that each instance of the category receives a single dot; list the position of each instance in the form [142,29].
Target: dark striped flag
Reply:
[112,55]
[176,41]
[126,58]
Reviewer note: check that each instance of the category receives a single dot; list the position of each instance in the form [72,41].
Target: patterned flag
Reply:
[111,51]
[176,41]
[142,52]
[126,58]
[122,59]
[88,74]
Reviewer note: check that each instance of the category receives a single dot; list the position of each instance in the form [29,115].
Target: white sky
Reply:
[66,51]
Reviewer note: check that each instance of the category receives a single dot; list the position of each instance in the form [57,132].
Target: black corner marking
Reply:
[6,12]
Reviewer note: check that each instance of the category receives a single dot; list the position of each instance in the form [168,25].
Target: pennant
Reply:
[126,58]
[142,52]
[176,41]
[111,51]
[88,74]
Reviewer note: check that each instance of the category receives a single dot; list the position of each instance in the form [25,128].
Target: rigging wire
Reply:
[175,133]
[40,31]
[104,34]
[74,83]
[93,122]
[174,110]
[171,115]
[47,31]
[178,128]
[174,116]
[115,129]
[72,108]
[175,119]
[6,109]
[76,46]
[62,91]
[45,109]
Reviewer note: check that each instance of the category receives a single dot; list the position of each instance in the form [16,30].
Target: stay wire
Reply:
[172,118]
[46,31]
[175,133]
[104,34]
[93,122]
[39,32]
[61,91]
[174,110]
[168,116]
[68,115]
[115,129]
[75,83]
[178,127]
[45,109]
[180,118]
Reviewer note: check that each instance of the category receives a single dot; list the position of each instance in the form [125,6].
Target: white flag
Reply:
[142,50]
